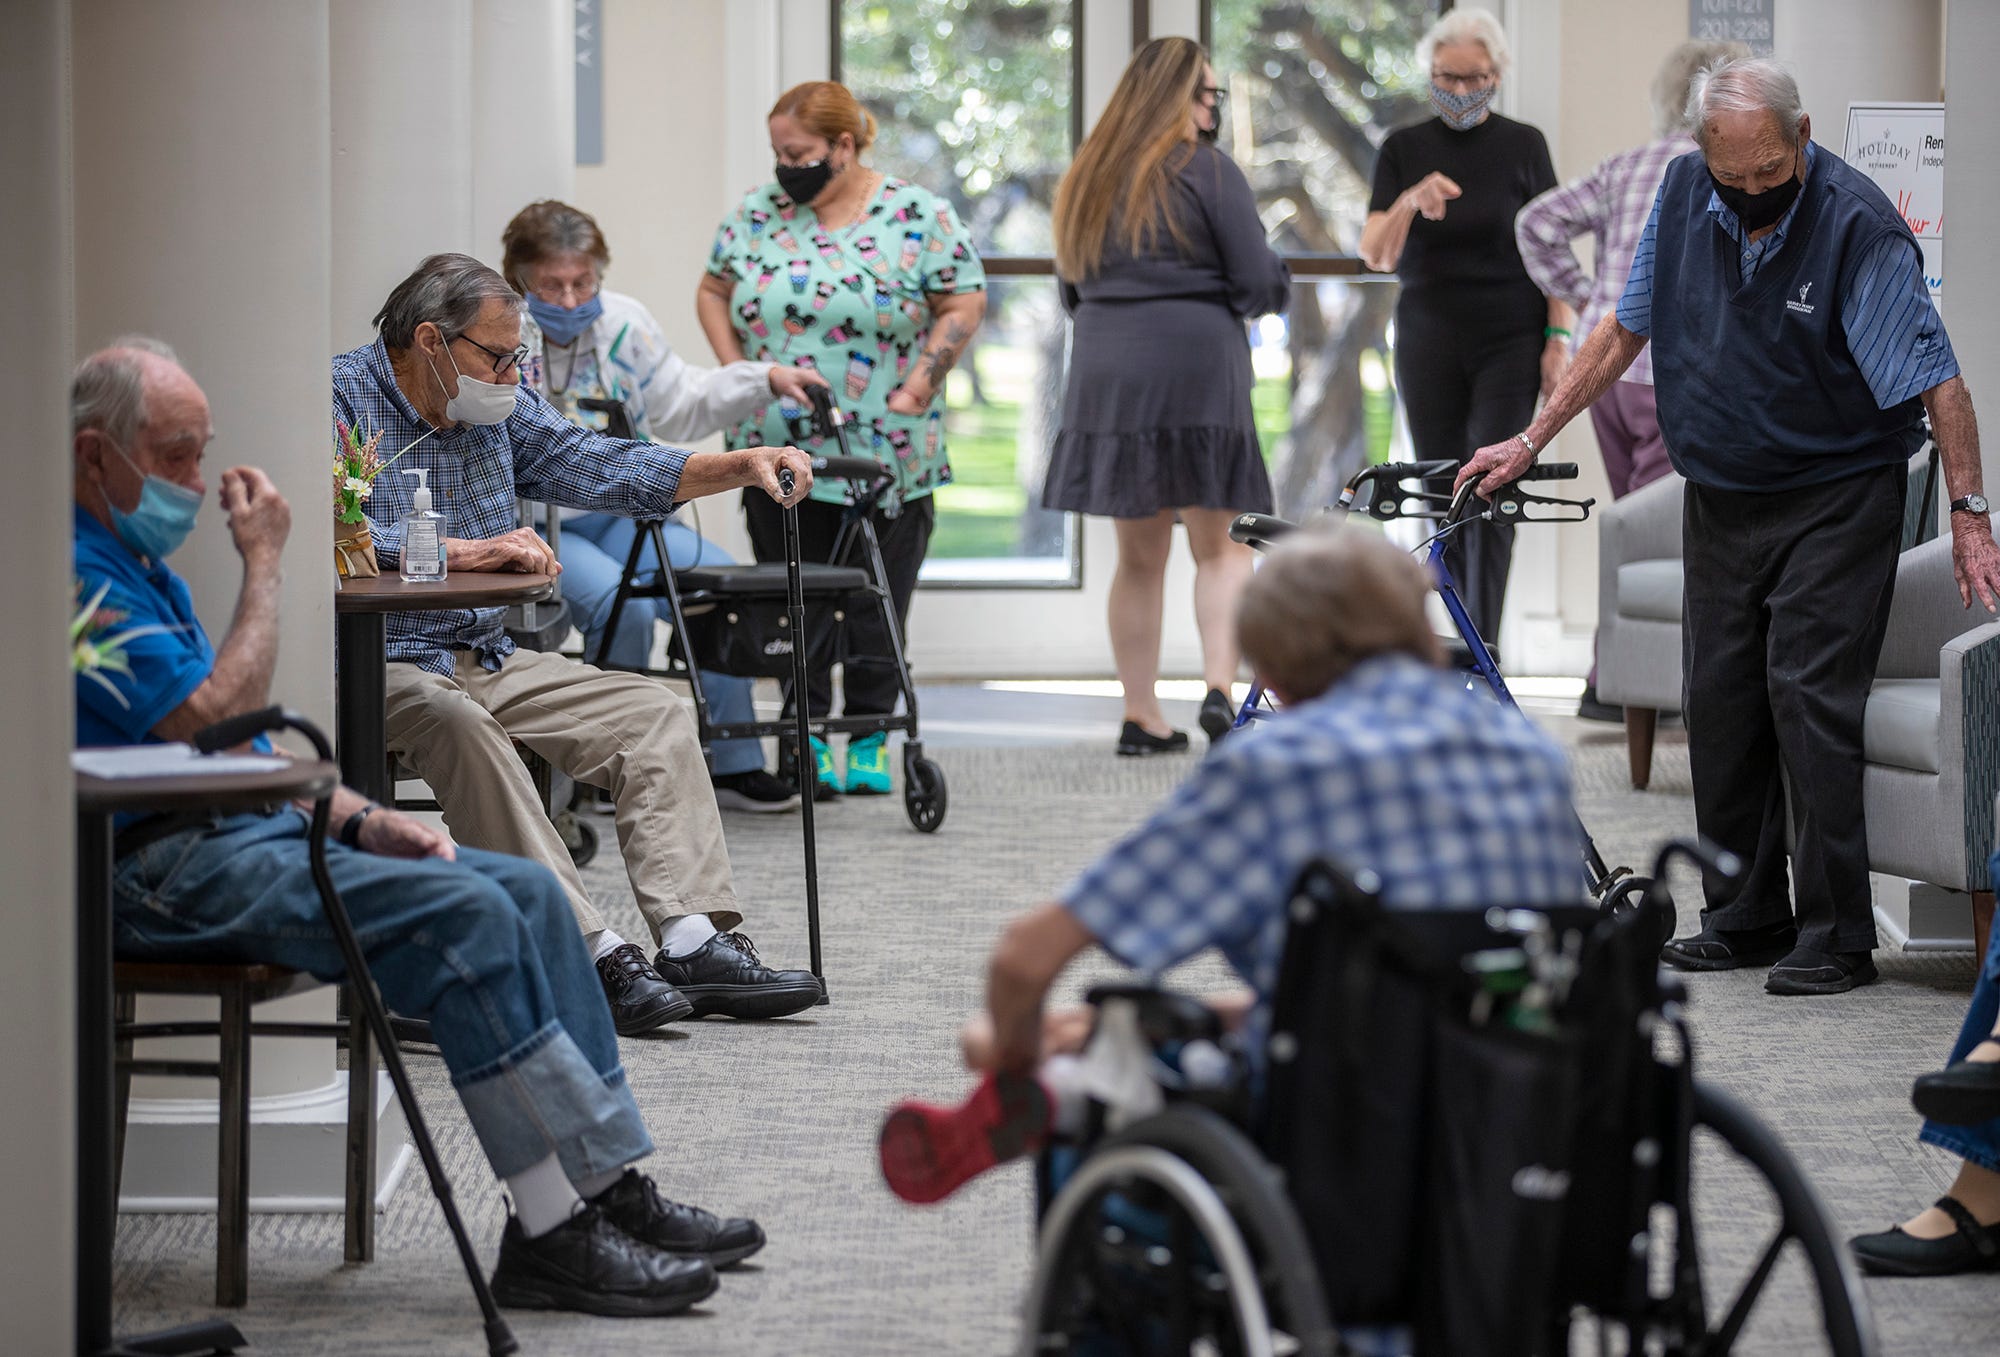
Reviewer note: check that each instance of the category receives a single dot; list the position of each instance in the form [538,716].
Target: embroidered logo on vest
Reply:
[1800,305]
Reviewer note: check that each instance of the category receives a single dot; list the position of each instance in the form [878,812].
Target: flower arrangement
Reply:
[94,650]
[356,463]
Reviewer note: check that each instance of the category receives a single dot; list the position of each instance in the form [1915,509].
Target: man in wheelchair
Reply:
[1378,760]
[480,944]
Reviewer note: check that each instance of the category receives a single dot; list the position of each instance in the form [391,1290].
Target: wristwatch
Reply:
[350,832]
[1969,504]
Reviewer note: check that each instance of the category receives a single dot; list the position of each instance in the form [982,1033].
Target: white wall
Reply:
[1972,204]
[38,964]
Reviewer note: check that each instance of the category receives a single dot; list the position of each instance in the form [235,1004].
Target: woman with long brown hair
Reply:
[1161,259]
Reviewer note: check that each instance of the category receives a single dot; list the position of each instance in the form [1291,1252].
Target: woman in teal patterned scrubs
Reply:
[873,282]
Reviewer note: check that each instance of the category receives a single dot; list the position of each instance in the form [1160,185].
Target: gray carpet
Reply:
[777,1120]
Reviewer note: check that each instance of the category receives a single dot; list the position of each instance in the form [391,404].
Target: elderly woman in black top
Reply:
[1162,258]
[1476,340]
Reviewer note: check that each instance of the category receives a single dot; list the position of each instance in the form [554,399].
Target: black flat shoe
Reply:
[1972,1247]
[589,1265]
[1218,715]
[635,1206]
[724,977]
[1590,708]
[1806,970]
[1134,739]
[1719,949]
[640,999]
[1964,1094]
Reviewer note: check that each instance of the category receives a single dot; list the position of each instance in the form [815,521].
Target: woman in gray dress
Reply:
[1161,259]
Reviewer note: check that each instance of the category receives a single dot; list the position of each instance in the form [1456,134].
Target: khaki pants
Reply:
[623,732]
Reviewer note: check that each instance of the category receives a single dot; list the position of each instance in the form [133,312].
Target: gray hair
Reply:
[108,390]
[448,290]
[1671,110]
[1467,25]
[1745,85]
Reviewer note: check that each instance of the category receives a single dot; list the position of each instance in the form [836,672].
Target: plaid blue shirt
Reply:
[477,473]
[1453,800]
[1892,329]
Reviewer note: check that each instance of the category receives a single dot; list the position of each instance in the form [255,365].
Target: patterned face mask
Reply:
[1461,111]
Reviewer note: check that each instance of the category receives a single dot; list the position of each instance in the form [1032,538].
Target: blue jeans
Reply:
[1978,1144]
[593,552]
[484,947]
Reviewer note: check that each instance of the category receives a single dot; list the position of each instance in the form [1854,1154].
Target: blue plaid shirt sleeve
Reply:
[1198,873]
[561,462]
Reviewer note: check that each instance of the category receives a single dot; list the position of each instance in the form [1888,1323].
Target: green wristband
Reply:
[1554,331]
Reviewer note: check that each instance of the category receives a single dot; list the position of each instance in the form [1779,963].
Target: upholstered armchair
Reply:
[1639,612]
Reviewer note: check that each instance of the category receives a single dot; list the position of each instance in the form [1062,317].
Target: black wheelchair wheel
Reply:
[1629,894]
[1749,1296]
[924,795]
[1175,1236]
[578,835]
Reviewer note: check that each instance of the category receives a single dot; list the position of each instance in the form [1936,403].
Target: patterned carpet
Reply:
[777,1120]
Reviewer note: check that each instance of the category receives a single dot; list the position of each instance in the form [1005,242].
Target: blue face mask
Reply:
[562,324]
[162,519]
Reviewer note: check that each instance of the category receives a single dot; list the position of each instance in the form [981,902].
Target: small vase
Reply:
[354,551]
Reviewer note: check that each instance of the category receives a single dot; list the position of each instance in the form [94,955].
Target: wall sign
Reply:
[1901,147]
[589,82]
[1744,21]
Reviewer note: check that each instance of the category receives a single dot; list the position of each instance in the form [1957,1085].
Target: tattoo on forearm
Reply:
[940,360]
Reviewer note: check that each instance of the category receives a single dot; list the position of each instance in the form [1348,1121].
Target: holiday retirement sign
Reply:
[1901,147]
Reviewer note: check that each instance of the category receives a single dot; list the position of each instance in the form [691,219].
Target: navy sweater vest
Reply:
[1757,389]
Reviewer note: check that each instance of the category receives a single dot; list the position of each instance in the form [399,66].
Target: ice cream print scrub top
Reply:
[851,303]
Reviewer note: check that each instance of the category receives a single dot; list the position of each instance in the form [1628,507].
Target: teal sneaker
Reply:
[828,784]
[868,765]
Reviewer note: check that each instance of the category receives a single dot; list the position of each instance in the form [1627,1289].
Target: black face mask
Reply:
[1758,210]
[803,183]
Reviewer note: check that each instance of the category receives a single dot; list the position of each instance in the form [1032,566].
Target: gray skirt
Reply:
[1157,413]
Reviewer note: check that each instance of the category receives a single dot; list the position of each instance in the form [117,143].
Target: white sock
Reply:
[1069,1094]
[589,1188]
[543,1197]
[602,943]
[686,935]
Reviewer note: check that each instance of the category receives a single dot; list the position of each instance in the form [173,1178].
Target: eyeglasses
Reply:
[503,363]
[1215,94]
[1476,80]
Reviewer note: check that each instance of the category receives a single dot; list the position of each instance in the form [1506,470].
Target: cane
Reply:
[234,731]
[808,766]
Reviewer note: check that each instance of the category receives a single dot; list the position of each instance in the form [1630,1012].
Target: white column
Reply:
[1972,205]
[202,207]
[402,148]
[38,965]
[523,111]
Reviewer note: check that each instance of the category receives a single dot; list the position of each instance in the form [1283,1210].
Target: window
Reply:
[977,100]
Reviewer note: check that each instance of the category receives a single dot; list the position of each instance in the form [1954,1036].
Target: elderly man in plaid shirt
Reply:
[441,382]
[1379,760]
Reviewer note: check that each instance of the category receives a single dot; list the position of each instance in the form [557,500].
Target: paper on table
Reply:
[168,760]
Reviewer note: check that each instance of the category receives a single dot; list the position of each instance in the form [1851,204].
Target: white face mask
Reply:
[477,402]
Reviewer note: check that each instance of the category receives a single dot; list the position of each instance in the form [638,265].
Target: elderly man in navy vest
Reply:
[1796,352]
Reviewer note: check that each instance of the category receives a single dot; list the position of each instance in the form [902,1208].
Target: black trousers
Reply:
[1787,601]
[1469,365]
[868,677]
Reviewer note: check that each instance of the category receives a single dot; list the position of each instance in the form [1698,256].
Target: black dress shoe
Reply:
[1590,708]
[1972,1247]
[1218,716]
[1727,949]
[1963,1094]
[589,1264]
[1134,739]
[635,1206]
[724,977]
[640,1000]
[1807,970]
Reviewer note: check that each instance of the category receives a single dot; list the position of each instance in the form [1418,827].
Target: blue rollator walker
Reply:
[1403,490]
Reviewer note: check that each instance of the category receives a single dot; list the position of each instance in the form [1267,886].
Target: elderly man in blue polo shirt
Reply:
[441,384]
[1795,353]
[478,943]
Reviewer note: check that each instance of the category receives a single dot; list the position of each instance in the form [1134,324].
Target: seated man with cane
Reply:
[1378,760]
[479,943]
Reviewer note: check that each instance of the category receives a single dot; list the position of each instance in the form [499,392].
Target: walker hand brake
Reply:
[1512,504]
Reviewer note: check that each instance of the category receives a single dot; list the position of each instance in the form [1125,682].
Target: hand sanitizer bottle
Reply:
[423,535]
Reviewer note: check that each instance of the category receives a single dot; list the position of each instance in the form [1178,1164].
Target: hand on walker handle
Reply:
[1498,464]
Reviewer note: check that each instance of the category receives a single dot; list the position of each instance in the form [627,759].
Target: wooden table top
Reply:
[390,593]
[206,791]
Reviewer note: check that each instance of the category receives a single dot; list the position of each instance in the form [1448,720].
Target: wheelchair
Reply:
[1475,1134]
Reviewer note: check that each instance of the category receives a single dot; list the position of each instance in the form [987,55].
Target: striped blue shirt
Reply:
[477,475]
[1892,329]
[1452,800]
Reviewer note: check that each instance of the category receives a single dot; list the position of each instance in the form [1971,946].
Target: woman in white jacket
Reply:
[586,342]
